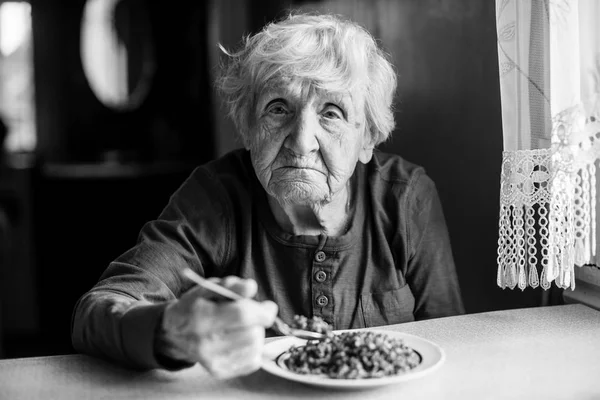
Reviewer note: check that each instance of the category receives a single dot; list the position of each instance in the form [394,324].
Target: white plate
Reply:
[432,356]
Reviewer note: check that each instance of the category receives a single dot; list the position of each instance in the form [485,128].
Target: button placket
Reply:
[322,285]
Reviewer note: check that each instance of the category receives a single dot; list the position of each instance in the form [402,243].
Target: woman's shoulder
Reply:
[235,163]
[393,168]
[218,182]
[231,172]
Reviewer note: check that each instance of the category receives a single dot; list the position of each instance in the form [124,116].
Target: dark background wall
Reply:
[99,173]
[77,214]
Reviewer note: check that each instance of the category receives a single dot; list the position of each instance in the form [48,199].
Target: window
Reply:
[17,109]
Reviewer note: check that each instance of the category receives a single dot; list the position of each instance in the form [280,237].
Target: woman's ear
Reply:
[245,135]
[366,153]
[246,143]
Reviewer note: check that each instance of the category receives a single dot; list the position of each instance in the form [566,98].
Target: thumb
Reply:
[244,287]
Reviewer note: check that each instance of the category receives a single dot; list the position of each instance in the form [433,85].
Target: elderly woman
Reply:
[308,219]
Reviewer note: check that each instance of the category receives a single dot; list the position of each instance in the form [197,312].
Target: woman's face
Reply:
[305,144]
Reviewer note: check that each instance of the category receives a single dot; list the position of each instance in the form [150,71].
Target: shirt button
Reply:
[322,300]
[320,256]
[320,276]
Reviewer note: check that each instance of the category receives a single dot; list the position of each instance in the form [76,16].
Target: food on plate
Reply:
[314,324]
[352,355]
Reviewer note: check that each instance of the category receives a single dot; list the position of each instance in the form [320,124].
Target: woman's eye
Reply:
[333,112]
[278,109]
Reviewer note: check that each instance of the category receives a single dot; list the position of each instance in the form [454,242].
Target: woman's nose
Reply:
[303,140]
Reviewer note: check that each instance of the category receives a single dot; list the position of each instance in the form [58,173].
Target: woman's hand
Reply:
[225,336]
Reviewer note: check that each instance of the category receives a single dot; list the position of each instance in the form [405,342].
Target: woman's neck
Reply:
[330,219]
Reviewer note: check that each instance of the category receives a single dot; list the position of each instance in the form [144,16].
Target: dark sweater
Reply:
[394,263]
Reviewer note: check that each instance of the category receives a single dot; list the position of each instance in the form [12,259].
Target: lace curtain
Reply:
[549,60]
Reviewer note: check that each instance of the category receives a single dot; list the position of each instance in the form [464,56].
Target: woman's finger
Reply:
[244,313]
[243,287]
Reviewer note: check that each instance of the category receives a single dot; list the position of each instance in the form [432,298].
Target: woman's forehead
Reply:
[304,91]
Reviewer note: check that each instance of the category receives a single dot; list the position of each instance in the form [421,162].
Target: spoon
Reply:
[279,324]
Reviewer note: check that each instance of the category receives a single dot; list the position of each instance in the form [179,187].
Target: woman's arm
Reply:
[431,272]
[118,317]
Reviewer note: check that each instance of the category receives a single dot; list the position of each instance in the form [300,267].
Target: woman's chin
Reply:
[299,193]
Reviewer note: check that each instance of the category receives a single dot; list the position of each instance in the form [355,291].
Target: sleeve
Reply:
[431,272]
[119,317]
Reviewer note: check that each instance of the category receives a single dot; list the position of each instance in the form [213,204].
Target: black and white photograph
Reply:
[299,199]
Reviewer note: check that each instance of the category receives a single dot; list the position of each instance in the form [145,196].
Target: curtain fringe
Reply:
[545,223]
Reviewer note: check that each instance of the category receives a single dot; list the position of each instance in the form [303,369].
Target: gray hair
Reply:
[325,51]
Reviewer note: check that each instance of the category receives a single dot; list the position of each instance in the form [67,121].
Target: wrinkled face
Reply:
[305,143]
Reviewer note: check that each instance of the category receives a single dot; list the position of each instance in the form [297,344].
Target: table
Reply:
[534,353]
